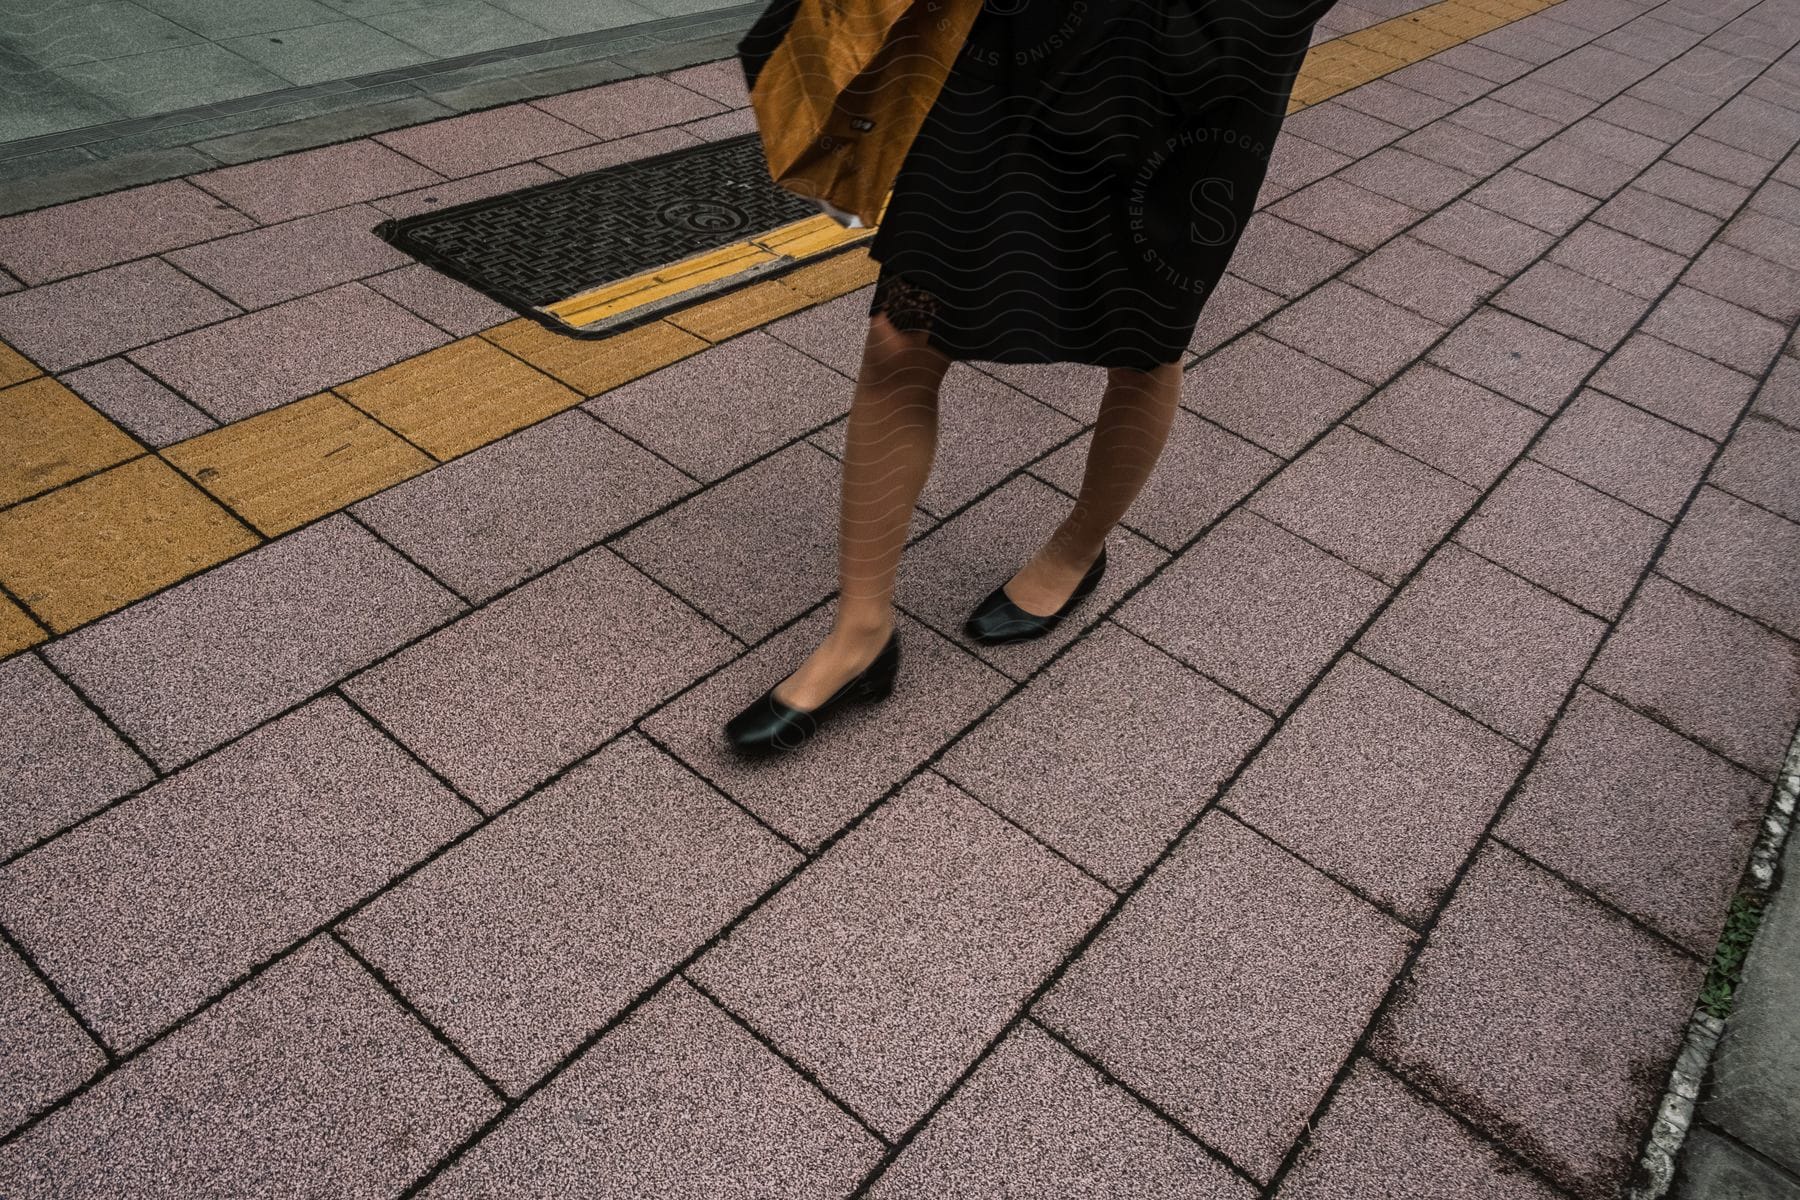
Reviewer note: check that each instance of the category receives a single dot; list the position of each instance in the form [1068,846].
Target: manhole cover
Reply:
[538,249]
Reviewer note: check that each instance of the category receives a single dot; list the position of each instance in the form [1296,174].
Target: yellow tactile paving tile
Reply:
[595,365]
[15,367]
[17,630]
[836,276]
[281,469]
[49,435]
[742,310]
[459,397]
[590,308]
[97,545]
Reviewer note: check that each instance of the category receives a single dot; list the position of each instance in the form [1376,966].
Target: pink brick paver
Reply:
[678,1101]
[307,1080]
[536,931]
[1187,996]
[1036,1120]
[1366,834]
[1532,1011]
[145,911]
[887,967]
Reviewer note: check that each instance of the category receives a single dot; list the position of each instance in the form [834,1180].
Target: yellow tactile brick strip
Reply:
[116,522]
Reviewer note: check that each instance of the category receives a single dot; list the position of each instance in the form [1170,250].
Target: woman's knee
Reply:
[900,358]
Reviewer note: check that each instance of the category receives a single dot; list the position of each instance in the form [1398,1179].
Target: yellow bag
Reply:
[841,87]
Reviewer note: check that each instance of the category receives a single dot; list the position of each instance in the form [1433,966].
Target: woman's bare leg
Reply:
[891,436]
[1135,417]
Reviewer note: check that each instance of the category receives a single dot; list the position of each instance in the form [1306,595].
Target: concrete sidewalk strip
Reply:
[366,828]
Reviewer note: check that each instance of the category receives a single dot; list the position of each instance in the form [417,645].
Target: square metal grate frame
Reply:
[630,242]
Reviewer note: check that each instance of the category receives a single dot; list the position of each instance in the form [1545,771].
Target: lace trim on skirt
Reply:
[908,306]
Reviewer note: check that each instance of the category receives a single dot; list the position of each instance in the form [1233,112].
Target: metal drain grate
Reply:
[539,249]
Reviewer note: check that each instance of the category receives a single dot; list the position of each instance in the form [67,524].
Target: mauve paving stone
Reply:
[43,1052]
[143,406]
[1254,607]
[1615,258]
[296,185]
[986,430]
[279,262]
[1203,471]
[1379,1139]
[890,963]
[1533,200]
[1354,331]
[1765,236]
[482,141]
[1715,328]
[1779,397]
[1566,536]
[1339,209]
[1753,281]
[754,551]
[1413,181]
[1485,641]
[1678,384]
[1233,307]
[678,1103]
[1370,506]
[1641,116]
[1339,127]
[310,1081]
[62,762]
[1296,162]
[1446,83]
[1458,427]
[1640,816]
[630,106]
[1108,753]
[1482,62]
[462,191]
[1711,673]
[502,699]
[948,571]
[241,367]
[1580,168]
[1460,147]
[1658,221]
[150,908]
[1758,465]
[1188,997]
[1544,1019]
[453,307]
[834,333]
[1741,555]
[1380,785]
[1502,122]
[1071,388]
[1285,258]
[1693,188]
[1717,159]
[216,655]
[535,932]
[489,519]
[715,411]
[1391,102]
[811,793]
[1625,452]
[1270,393]
[106,230]
[1486,238]
[120,307]
[1430,282]
[1526,362]
[1035,1121]
[1568,302]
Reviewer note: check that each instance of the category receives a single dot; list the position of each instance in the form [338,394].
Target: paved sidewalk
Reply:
[367,830]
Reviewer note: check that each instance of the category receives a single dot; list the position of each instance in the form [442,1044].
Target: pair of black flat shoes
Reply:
[769,724]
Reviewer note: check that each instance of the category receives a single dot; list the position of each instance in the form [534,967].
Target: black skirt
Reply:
[1082,180]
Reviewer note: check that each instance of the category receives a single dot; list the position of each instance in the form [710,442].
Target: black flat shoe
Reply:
[768,724]
[997,619]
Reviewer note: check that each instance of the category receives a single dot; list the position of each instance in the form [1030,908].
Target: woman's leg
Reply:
[888,447]
[1135,417]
